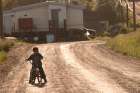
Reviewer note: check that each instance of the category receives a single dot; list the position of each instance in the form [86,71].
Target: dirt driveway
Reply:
[78,67]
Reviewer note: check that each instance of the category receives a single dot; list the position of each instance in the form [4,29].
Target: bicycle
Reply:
[36,75]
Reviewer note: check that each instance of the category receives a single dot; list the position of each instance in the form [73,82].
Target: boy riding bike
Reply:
[36,58]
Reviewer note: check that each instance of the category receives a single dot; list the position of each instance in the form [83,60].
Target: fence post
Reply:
[65,30]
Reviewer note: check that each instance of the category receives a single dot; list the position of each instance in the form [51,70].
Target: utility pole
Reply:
[67,2]
[1,20]
[127,14]
[134,15]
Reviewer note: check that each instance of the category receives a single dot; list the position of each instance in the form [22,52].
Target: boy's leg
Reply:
[31,81]
[43,74]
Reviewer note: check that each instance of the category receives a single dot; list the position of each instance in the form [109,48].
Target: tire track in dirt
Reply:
[100,81]
[63,78]
[132,85]
[75,68]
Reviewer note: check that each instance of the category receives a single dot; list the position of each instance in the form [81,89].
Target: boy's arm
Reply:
[41,56]
[30,58]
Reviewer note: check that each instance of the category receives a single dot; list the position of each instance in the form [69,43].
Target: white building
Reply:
[36,18]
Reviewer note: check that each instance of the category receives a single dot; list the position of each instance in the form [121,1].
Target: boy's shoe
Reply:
[31,82]
[45,80]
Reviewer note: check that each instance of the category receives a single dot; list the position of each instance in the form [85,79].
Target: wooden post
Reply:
[65,29]
[122,13]
[1,20]
[65,25]
[49,25]
[134,15]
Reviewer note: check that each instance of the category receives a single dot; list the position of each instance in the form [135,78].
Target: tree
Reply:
[91,4]
[134,15]
[112,10]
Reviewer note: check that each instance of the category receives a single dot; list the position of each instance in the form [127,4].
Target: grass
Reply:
[3,56]
[128,44]
[105,38]
[5,46]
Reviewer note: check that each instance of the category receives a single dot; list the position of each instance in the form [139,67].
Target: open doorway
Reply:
[55,18]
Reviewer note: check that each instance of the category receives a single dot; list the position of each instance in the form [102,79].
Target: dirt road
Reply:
[79,67]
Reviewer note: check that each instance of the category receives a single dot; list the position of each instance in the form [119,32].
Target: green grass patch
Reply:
[128,44]
[3,56]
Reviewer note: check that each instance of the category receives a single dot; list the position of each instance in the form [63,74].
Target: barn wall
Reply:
[39,15]
[62,13]
[75,18]
[8,24]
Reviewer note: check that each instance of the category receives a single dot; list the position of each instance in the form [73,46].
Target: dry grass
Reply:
[5,46]
[105,38]
[128,44]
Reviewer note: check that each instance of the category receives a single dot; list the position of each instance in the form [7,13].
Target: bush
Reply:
[119,29]
[5,45]
[124,31]
[115,29]
[104,34]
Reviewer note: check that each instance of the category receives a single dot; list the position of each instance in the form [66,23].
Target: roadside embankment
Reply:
[128,44]
[10,53]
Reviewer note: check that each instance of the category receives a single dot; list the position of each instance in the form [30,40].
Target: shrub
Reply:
[105,34]
[5,45]
[119,29]
[124,31]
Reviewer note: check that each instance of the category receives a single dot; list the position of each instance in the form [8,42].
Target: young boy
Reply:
[36,58]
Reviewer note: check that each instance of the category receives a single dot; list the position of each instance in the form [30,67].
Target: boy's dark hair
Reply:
[35,49]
